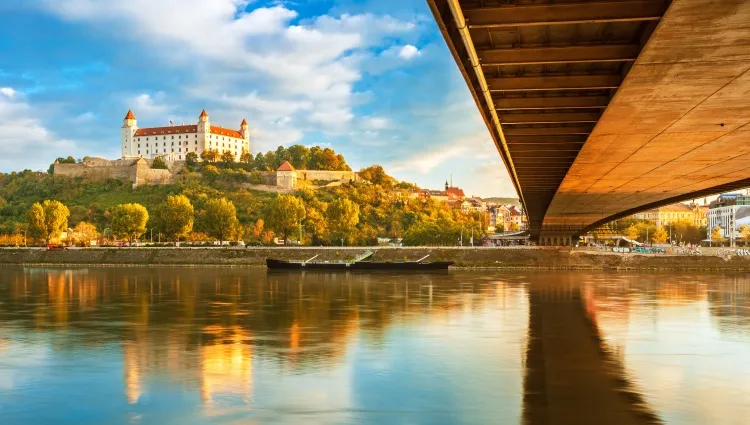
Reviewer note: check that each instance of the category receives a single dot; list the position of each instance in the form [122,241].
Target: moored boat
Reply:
[357,264]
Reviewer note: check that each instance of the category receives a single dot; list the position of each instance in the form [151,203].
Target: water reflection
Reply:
[229,345]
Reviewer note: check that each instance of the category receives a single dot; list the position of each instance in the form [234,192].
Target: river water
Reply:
[227,346]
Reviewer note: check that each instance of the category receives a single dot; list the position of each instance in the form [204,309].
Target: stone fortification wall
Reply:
[137,171]
[95,172]
[269,178]
[343,176]
[148,176]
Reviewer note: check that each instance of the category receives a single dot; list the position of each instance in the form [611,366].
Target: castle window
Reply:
[172,137]
[146,144]
[146,140]
[139,145]
[139,152]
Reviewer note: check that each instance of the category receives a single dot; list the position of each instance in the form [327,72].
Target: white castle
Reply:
[173,143]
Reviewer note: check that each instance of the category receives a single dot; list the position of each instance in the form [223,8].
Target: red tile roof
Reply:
[244,122]
[174,129]
[203,114]
[286,166]
[130,115]
[225,132]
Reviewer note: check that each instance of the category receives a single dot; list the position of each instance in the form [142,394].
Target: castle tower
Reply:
[204,131]
[129,127]
[245,132]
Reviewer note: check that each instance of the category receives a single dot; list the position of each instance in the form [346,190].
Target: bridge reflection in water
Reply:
[571,377]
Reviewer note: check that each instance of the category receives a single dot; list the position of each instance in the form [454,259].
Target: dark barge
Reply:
[357,264]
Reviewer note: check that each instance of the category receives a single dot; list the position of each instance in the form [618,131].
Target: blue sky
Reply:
[373,79]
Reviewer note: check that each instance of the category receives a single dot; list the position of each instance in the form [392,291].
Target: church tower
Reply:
[129,127]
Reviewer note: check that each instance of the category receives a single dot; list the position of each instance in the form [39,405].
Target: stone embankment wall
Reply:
[496,258]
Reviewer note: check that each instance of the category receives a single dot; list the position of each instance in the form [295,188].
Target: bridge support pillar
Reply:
[551,239]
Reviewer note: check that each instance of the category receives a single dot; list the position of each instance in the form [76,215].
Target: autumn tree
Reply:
[246,157]
[159,163]
[342,217]
[210,155]
[285,214]
[129,221]
[745,233]
[633,232]
[191,158]
[175,217]
[227,157]
[48,219]
[716,235]
[84,233]
[376,175]
[659,236]
[220,219]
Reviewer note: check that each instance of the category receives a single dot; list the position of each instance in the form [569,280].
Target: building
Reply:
[729,212]
[286,176]
[517,218]
[174,142]
[666,215]
[499,218]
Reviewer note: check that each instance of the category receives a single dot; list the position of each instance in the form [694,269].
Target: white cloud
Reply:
[316,61]
[408,52]
[7,92]
[375,123]
[23,137]
[84,118]
[151,107]
[425,162]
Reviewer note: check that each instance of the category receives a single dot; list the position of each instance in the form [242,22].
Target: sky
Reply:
[372,79]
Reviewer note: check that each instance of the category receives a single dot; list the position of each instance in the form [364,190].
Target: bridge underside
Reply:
[606,108]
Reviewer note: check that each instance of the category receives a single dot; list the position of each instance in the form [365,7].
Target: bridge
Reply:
[604,108]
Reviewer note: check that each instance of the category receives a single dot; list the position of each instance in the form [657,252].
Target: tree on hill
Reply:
[246,157]
[191,158]
[48,219]
[210,155]
[376,175]
[256,177]
[175,217]
[342,217]
[299,156]
[220,219]
[260,162]
[227,157]
[68,160]
[159,163]
[285,214]
[129,221]
[282,154]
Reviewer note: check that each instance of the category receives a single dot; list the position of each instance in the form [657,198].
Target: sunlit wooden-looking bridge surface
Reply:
[601,109]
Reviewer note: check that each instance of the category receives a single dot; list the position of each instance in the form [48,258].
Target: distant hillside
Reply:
[504,201]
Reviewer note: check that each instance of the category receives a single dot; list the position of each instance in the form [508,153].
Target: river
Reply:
[224,346]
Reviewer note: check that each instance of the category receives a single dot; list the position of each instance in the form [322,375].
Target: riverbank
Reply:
[532,258]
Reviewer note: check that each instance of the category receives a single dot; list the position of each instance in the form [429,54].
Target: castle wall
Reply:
[343,176]
[96,172]
[143,175]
